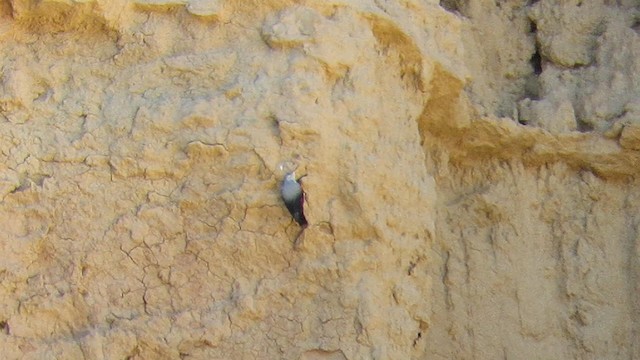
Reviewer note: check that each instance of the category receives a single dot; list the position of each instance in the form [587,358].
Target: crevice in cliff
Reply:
[536,58]
[532,82]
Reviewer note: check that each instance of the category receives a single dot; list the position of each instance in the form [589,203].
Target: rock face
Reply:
[472,179]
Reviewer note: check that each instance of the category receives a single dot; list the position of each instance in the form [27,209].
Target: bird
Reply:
[293,196]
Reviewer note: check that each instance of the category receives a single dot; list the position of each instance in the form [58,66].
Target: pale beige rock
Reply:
[567,30]
[206,8]
[630,137]
[292,27]
[556,116]
[603,36]
[140,214]
[497,48]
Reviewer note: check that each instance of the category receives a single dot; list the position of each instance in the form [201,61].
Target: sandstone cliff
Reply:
[472,179]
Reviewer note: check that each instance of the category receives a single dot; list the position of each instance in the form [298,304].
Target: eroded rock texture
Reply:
[472,179]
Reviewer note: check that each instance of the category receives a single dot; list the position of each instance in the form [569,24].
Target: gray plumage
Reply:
[293,197]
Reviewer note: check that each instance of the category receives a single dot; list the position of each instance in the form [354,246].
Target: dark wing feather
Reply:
[301,219]
[296,208]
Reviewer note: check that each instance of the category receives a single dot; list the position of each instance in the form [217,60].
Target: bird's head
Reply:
[290,176]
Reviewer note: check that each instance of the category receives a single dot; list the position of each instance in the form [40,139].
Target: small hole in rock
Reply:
[4,326]
[418,337]
[584,126]
[636,26]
